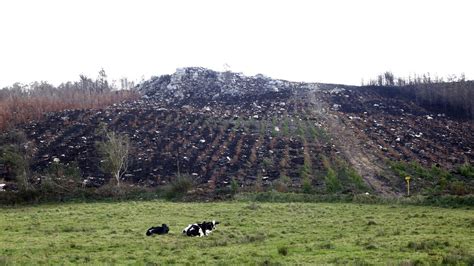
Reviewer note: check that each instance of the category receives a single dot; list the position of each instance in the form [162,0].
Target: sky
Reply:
[333,41]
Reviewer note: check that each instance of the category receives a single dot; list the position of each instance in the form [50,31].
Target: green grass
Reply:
[249,233]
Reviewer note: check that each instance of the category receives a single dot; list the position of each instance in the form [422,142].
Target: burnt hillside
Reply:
[217,127]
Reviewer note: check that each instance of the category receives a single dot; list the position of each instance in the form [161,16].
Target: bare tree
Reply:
[389,78]
[114,151]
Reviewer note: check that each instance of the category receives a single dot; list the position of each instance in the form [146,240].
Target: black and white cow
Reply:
[159,230]
[200,229]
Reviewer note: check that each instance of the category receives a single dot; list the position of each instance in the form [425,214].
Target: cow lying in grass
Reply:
[202,229]
[159,230]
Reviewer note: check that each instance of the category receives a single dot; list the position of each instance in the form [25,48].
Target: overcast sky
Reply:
[322,41]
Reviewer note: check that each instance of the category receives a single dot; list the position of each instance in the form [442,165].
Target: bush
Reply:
[458,188]
[60,181]
[466,170]
[179,187]
[281,185]
[234,186]
[306,185]
[332,182]
[15,158]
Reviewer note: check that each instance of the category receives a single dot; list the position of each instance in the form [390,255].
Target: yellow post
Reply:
[407,178]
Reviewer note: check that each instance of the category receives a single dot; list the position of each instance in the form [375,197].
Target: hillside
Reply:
[261,132]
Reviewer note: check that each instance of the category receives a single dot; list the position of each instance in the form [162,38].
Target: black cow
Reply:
[200,229]
[159,230]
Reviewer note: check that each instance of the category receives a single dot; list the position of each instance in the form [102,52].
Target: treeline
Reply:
[22,103]
[389,79]
[452,96]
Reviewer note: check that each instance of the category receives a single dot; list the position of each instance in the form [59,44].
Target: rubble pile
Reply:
[194,85]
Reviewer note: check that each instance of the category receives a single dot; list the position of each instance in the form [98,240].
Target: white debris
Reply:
[277,129]
[202,140]
[336,90]
[56,160]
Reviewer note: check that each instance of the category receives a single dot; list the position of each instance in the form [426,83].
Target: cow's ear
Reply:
[217,222]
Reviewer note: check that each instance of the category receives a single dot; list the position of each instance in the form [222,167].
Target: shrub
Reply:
[179,187]
[15,158]
[234,186]
[458,188]
[332,182]
[356,179]
[59,181]
[306,185]
[281,185]
[258,186]
[466,170]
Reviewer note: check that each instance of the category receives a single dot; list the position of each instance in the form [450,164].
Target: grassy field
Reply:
[250,233]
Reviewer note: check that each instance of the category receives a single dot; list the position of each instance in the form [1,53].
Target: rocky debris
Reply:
[188,85]
[397,129]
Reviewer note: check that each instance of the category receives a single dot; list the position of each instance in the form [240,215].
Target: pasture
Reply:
[249,233]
